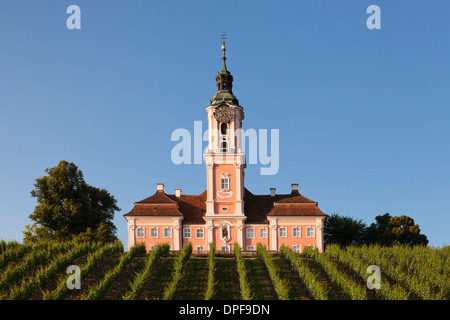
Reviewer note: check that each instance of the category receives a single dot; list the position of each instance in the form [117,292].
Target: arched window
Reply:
[224,128]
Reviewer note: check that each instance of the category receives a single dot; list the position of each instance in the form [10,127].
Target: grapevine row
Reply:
[27,288]
[281,285]
[211,269]
[349,287]
[387,291]
[309,278]
[28,270]
[169,291]
[140,280]
[414,284]
[99,290]
[37,257]
[242,272]
[425,264]
[12,253]
[95,259]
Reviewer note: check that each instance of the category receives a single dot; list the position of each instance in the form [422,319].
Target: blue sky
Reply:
[362,114]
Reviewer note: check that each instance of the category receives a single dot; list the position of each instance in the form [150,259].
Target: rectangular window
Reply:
[296,232]
[167,232]
[200,249]
[152,248]
[186,233]
[310,232]
[250,248]
[154,232]
[297,248]
[263,233]
[225,249]
[140,232]
[283,232]
[250,233]
[199,233]
[223,146]
[225,184]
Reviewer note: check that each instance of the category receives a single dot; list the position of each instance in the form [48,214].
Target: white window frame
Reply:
[140,232]
[250,248]
[187,233]
[310,232]
[224,184]
[297,230]
[225,249]
[285,232]
[169,230]
[202,236]
[152,232]
[200,249]
[297,248]
[263,233]
[250,233]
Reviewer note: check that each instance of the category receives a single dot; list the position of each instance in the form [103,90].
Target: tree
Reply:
[388,230]
[343,230]
[379,232]
[404,231]
[70,208]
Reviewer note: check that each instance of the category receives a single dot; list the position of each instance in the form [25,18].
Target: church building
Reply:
[226,212]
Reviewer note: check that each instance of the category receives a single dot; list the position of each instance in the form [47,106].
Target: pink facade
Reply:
[226,213]
[293,233]
[296,230]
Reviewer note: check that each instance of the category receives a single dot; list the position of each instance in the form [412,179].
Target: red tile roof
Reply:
[256,207]
[155,210]
[296,210]
[193,207]
[158,198]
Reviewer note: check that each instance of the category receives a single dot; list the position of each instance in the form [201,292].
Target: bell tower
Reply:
[224,157]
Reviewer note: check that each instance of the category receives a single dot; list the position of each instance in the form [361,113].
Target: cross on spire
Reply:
[224,80]
[223,36]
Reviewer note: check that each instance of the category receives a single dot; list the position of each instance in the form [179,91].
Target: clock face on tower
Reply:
[223,113]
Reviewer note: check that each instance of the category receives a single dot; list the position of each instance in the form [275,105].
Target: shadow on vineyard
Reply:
[107,272]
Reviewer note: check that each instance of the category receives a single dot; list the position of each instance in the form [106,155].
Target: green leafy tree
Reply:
[379,232]
[343,230]
[70,208]
[388,230]
[404,231]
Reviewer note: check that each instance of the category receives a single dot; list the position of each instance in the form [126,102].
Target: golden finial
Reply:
[223,36]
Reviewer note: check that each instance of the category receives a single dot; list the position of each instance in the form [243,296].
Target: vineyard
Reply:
[107,272]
